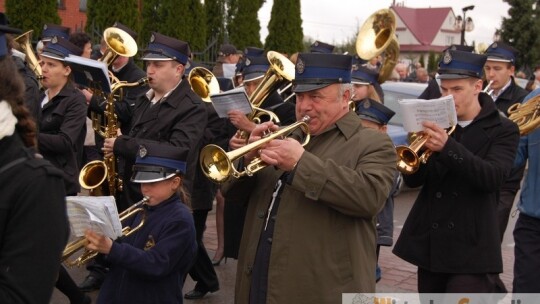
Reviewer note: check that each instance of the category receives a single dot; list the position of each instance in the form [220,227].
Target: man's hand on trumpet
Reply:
[437,136]
[240,121]
[282,153]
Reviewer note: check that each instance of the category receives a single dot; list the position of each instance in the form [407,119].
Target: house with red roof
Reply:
[421,30]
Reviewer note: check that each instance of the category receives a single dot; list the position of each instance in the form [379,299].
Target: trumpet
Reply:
[81,243]
[408,158]
[218,166]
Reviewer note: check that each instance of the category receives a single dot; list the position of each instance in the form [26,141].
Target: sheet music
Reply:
[231,100]
[98,213]
[442,111]
[89,73]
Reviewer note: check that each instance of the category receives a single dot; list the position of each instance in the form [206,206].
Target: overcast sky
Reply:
[335,21]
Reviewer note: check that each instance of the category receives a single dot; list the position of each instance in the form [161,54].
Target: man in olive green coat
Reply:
[309,234]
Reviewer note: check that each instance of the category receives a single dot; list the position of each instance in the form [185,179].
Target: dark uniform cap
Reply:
[499,51]
[363,75]
[163,47]
[227,49]
[126,29]
[60,48]
[374,111]
[157,162]
[255,68]
[458,47]
[458,64]
[52,30]
[315,71]
[5,29]
[253,52]
[321,47]
[356,60]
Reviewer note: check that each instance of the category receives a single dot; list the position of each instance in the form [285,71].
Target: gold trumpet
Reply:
[408,158]
[526,115]
[203,83]
[218,166]
[81,243]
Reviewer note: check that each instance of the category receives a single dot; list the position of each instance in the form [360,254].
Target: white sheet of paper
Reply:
[231,100]
[441,111]
[98,213]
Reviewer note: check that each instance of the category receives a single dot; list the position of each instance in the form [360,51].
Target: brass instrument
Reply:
[94,174]
[119,43]
[203,83]
[81,243]
[281,70]
[378,35]
[218,166]
[526,115]
[25,45]
[408,156]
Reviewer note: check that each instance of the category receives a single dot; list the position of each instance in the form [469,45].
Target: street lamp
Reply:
[464,24]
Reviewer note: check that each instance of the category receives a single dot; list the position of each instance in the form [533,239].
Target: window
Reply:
[82,5]
[449,40]
[61,4]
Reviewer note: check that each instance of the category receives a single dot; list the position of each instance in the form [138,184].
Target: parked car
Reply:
[393,92]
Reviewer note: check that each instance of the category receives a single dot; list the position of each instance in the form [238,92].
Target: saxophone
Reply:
[101,177]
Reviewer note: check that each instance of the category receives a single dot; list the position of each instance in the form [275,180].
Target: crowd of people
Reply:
[307,226]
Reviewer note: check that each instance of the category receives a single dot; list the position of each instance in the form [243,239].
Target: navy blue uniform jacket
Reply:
[149,266]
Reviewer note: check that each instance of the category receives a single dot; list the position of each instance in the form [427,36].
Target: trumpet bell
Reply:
[408,160]
[203,83]
[215,163]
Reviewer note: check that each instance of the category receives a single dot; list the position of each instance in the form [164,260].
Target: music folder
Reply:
[89,73]
[97,213]
[235,99]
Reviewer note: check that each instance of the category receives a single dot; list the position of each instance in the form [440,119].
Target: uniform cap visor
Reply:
[149,177]
[300,87]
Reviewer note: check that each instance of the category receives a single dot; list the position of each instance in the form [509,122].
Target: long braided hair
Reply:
[12,91]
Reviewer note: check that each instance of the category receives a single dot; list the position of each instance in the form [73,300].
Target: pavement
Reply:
[398,276]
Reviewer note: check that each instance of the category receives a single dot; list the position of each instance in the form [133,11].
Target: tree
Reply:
[215,20]
[285,27]
[184,20]
[243,23]
[21,16]
[521,30]
[102,14]
[433,63]
[152,18]
[422,60]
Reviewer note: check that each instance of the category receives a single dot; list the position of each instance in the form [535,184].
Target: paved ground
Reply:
[398,275]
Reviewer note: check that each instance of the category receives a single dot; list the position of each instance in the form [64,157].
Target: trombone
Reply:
[408,156]
[218,166]
[81,243]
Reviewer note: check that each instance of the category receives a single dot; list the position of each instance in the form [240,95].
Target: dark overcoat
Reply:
[452,225]
[62,129]
[324,236]
[178,120]
[149,266]
[33,224]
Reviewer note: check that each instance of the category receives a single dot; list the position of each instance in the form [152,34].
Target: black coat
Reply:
[122,108]
[452,225]
[433,91]
[513,94]
[178,120]
[33,224]
[31,87]
[62,129]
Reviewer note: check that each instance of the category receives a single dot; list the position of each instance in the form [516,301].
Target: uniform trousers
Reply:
[527,255]
[203,271]
[435,282]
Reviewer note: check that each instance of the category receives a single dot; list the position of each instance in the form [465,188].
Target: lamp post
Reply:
[464,24]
